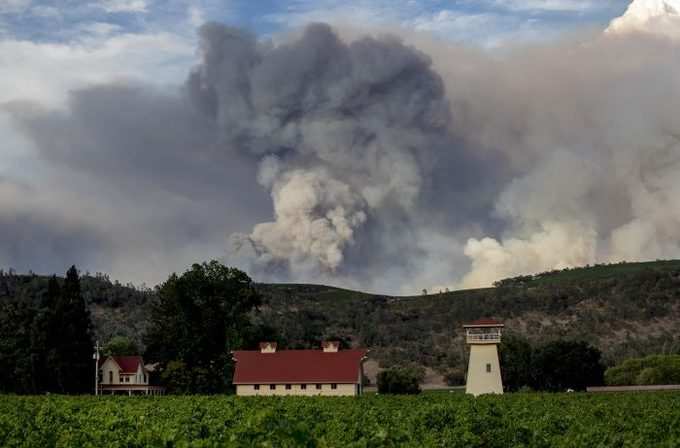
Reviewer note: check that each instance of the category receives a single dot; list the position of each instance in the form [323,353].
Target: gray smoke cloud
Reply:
[347,134]
[378,162]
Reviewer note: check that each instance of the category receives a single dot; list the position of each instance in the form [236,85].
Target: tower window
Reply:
[488,368]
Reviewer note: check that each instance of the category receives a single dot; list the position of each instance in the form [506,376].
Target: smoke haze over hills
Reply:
[389,162]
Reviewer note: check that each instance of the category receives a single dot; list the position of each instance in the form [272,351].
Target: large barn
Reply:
[328,371]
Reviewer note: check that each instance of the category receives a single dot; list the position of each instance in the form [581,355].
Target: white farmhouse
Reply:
[126,374]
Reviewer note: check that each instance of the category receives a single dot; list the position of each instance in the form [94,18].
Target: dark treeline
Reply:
[624,310]
[555,366]
[46,344]
[194,321]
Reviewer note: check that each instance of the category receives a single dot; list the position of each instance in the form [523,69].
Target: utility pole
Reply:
[95,356]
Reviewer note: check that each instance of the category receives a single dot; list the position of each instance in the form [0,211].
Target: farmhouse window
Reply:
[110,377]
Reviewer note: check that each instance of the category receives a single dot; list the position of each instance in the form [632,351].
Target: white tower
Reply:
[484,368]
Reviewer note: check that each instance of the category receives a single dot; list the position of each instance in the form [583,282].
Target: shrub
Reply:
[398,380]
[654,369]
[455,377]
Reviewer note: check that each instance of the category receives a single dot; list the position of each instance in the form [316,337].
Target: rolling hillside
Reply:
[624,309]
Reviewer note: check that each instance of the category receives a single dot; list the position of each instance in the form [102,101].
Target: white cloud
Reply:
[146,57]
[45,11]
[44,73]
[113,6]
[196,16]
[13,6]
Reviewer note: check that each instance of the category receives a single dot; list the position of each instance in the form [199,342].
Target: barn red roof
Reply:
[128,364]
[297,366]
[484,323]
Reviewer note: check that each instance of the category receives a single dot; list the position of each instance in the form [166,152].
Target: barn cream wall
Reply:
[479,381]
[342,390]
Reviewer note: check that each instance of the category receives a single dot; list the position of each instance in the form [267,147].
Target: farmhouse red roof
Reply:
[127,364]
[297,366]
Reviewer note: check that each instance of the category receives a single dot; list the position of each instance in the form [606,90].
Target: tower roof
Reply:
[484,323]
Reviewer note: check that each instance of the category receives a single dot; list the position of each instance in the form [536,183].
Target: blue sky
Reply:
[477,21]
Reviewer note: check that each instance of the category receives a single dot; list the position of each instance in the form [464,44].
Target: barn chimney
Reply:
[330,346]
[267,347]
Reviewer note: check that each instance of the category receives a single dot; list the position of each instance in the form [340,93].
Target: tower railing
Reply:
[486,338]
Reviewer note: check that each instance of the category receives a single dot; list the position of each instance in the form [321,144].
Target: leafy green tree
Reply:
[398,380]
[515,356]
[44,350]
[177,378]
[653,369]
[15,350]
[120,346]
[197,320]
[563,365]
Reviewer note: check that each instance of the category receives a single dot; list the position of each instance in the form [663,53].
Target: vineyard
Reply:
[442,420]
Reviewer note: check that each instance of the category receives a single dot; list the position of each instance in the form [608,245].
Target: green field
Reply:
[441,420]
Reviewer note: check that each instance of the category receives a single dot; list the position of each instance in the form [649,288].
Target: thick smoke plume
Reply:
[397,164]
[342,132]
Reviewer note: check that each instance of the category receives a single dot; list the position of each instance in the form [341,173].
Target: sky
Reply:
[130,148]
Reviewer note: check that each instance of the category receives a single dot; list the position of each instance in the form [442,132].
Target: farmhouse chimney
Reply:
[330,346]
[267,347]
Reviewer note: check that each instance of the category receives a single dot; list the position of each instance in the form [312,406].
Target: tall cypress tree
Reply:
[74,333]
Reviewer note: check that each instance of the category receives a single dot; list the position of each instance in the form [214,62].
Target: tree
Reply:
[120,346]
[398,380]
[653,369]
[515,356]
[73,337]
[44,351]
[197,319]
[563,365]
[15,350]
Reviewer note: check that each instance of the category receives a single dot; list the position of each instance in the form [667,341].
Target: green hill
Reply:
[628,309]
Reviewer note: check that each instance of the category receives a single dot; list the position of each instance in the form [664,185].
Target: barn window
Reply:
[303,386]
[318,386]
[488,368]
[334,386]
[287,386]
[272,386]
[256,386]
